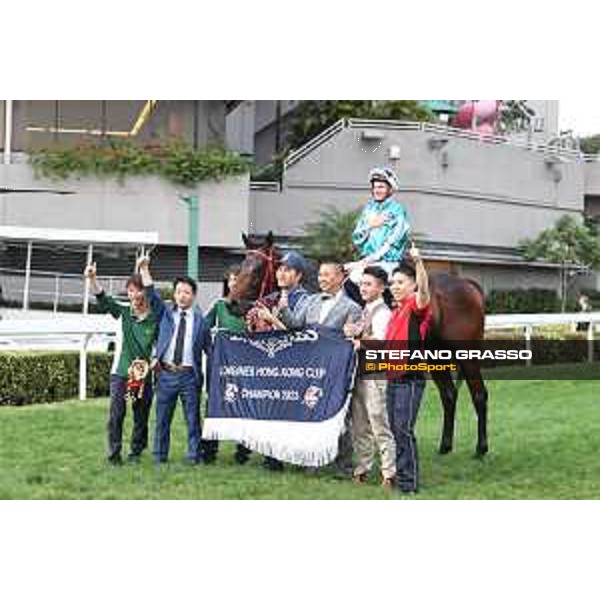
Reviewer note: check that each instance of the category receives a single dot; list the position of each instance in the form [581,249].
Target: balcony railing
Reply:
[555,148]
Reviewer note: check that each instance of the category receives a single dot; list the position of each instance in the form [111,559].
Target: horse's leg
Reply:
[448,395]
[479,396]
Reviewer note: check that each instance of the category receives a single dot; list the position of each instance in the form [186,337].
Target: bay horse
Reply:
[458,308]
[256,281]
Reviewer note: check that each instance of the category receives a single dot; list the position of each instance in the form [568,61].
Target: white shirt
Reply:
[380,316]
[328,304]
[188,354]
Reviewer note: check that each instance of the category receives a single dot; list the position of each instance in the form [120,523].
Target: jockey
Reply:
[382,232]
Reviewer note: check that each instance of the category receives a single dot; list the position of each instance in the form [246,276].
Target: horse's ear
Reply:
[245,240]
[269,240]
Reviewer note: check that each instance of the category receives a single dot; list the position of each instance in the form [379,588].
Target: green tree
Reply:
[515,116]
[330,237]
[591,144]
[575,247]
[313,116]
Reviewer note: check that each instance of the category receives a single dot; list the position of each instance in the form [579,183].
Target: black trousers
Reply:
[210,449]
[117,412]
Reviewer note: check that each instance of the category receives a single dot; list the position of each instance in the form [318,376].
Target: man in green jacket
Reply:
[130,377]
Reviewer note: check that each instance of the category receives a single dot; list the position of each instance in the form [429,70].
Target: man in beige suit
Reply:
[370,425]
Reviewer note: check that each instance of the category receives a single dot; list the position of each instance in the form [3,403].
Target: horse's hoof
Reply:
[445,449]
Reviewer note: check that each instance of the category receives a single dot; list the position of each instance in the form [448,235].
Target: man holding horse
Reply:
[292,294]
[290,275]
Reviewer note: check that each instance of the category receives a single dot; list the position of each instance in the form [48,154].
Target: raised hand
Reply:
[142,261]
[90,271]
[90,274]
[142,266]
[414,251]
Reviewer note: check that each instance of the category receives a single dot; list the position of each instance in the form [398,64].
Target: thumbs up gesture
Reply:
[414,251]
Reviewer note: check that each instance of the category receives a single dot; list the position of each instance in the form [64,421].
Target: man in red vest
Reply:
[408,324]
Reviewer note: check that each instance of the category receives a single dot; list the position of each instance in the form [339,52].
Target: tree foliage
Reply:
[330,237]
[174,160]
[515,116]
[568,241]
[575,247]
[313,116]
[590,144]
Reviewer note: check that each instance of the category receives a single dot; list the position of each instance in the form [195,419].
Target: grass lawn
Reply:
[544,443]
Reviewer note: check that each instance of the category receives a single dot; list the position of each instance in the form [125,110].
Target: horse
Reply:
[458,309]
[256,279]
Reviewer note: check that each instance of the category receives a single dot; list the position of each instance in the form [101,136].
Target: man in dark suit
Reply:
[182,336]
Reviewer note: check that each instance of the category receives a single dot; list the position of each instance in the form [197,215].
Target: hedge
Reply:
[174,160]
[522,301]
[571,347]
[42,377]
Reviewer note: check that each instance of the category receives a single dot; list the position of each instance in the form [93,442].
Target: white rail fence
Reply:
[85,327]
[527,323]
[52,287]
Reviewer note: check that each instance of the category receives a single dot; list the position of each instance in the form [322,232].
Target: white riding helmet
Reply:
[386,175]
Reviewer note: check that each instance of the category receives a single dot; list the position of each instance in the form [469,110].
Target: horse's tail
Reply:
[460,377]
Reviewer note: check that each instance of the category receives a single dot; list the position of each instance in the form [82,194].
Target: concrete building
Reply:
[470,198]
[259,127]
[137,204]
[38,124]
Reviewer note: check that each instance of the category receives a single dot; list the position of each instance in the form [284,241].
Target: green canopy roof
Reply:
[440,106]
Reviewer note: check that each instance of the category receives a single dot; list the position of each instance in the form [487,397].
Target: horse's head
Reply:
[256,278]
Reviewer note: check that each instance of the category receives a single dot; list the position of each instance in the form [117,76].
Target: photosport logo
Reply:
[437,360]
[540,359]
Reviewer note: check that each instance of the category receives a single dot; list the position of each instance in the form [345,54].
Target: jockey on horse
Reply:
[382,232]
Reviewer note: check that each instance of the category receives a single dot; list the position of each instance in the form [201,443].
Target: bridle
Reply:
[268,282]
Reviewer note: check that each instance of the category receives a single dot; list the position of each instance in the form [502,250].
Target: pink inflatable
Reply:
[486,116]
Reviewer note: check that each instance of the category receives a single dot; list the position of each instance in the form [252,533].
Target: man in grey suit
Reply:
[330,308]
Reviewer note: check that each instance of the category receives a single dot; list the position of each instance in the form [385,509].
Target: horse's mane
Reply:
[476,285]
